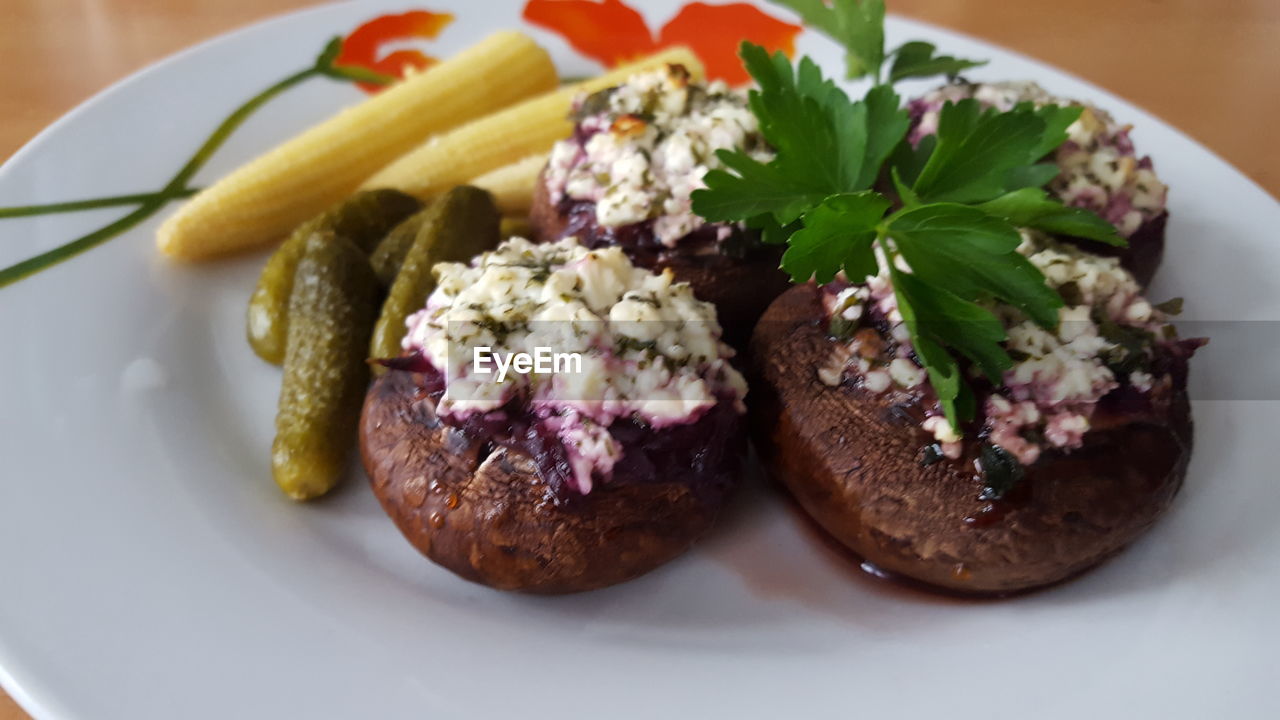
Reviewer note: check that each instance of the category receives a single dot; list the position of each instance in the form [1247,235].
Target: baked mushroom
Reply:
[1078,450]
[1099,167]
[561,420]
[625,176]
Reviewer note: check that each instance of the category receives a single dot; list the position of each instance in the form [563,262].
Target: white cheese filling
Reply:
[649,148]
[1058,376]
[648,348]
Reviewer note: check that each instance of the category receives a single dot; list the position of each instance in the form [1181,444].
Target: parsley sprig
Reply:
[858,25]
[943,214]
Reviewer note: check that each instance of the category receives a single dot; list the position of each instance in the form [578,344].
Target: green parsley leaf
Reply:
[906,195]
[826,145]
[943,370]
[937,318]
[1033,208]
[973,255]
[1057,118]
[886,124]
[771,233]
[1001,471]
[858,25]
[909,160]
[951,248]
[837,235]
[1031,176]
[976,150]
[807,120]
[917,59]
[952,321]
[755,189]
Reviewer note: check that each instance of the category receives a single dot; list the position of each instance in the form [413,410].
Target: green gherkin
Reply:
[459,225]
[364,219]
[389,255]
[331,311]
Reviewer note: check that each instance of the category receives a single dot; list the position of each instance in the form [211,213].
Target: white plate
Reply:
[150,569]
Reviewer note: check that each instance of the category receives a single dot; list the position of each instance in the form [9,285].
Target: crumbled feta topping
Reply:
[1047,398]
[906,373]
[1099,168]
[642,155]
[647,347]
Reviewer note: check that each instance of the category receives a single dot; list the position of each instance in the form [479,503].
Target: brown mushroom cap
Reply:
[857,471]
[486,514]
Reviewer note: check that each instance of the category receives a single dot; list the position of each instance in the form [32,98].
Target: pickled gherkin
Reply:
[363,220]
[389,255]
[366,217]
[516,227]
[459,225]
[331,311]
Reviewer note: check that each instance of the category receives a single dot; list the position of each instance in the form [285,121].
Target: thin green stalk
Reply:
[233,121]
[30,266]
[173,189]
[177,187]
[93,204]
[357,74]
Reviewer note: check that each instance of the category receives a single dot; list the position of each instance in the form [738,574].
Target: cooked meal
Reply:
[1097,166]
[961,391]
[939,305]
[625,176]
[556,479]
[1074,451]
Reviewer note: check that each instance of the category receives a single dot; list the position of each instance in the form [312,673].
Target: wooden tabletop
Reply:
[1209,68]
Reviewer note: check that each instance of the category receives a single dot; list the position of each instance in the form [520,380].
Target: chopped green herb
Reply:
[858,25]
[1000,471]
[932,453]
[917,59]
[950,241]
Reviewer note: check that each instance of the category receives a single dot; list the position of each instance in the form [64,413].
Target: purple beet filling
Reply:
[706,454]
[639,243]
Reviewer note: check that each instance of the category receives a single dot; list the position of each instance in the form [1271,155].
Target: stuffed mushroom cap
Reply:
[1073,455]
[626,175]
[555,474]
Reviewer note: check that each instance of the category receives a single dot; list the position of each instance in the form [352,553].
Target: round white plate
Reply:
[150,569]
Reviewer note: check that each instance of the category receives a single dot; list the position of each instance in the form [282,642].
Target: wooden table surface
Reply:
[1209,68]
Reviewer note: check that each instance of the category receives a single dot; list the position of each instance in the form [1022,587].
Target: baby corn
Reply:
[504,137]
[265,199]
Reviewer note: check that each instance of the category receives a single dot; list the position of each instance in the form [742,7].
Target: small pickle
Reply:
[363,219]
[516,226]
[459,225]
[389,255]
[331,309]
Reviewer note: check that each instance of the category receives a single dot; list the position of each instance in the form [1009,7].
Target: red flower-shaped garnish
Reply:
[361,47]
[613,33]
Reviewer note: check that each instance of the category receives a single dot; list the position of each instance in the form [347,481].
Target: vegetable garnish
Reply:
[858,25]
[847,192]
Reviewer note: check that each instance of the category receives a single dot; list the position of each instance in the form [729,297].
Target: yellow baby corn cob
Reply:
[517,132]
[265,199]
[512,185]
